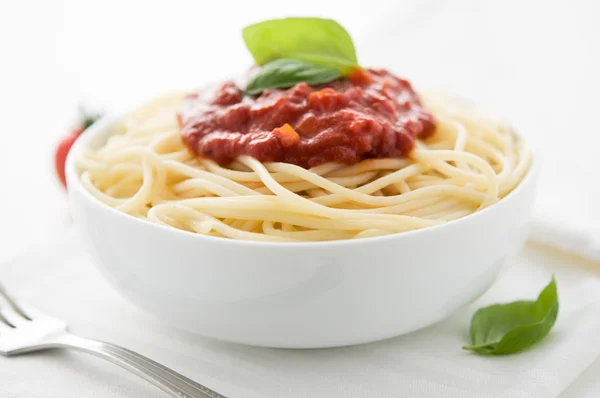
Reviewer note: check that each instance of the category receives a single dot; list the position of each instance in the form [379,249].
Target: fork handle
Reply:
[162,377]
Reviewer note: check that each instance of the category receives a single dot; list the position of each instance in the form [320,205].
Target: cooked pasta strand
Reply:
[145,170]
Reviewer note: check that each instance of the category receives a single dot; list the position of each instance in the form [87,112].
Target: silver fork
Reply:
[24,329]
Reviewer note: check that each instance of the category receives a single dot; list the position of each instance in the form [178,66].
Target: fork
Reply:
[24,329]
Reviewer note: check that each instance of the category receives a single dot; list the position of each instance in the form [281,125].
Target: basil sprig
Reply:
[284,73]
[315,40]
[294,50]
[509,328]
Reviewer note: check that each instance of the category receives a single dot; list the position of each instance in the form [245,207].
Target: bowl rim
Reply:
[102,127]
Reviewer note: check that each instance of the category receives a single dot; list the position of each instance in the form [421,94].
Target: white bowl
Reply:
[298,295]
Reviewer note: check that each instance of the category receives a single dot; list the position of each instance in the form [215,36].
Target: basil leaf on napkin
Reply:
[315,40]
[509,328]
[284,73]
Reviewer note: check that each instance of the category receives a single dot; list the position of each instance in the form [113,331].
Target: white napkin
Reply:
[566,237]
[428,363]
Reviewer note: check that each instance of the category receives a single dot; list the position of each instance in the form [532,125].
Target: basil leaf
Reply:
[315,40]
[509,328]
[284,73]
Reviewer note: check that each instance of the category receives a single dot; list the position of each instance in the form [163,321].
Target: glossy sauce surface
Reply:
[369,114]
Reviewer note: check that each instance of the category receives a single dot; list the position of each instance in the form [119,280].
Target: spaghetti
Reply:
[144,169]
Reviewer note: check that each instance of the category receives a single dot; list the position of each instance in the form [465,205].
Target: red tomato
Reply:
[85,121]
[61,155]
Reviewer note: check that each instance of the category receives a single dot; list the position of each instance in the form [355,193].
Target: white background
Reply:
[538,63]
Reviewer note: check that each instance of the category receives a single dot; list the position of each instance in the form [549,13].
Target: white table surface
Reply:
[537,62]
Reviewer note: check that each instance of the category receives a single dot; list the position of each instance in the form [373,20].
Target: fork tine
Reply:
[4,295]
[4,323]
[31,312]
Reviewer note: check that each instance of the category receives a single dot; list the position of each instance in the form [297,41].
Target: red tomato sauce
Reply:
[369,114]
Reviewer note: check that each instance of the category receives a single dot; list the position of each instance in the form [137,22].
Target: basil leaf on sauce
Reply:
[284,73]
[315,40]
[509,328]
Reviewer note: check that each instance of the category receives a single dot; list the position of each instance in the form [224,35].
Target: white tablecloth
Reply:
[429,363]
[535,62]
